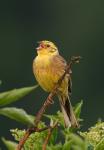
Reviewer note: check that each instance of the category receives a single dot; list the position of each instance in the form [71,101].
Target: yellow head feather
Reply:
[47,48]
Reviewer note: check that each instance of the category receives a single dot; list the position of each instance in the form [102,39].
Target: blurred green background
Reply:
[77,27]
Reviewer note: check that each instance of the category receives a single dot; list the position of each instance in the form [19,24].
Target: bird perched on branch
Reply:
[48,68]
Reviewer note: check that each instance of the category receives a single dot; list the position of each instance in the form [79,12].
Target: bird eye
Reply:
[48,45]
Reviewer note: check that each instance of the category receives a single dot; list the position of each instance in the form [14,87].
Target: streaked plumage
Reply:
[48,67]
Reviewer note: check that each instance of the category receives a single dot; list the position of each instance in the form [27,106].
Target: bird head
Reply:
[47,48]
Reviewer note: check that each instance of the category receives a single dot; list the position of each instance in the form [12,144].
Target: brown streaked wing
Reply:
[59,64]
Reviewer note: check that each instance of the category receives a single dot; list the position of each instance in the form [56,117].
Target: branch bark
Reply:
[48,102]
[49,135]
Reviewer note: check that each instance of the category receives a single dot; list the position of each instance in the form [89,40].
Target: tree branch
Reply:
[49,135]
[47,103]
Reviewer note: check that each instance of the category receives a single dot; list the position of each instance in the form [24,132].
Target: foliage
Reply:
[61,139]
[14,95]
[9,144]
[95,136]
[17,114]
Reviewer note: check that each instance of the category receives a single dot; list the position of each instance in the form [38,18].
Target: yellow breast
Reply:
[44,72]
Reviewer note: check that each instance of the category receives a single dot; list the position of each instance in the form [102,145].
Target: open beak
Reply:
[40,46]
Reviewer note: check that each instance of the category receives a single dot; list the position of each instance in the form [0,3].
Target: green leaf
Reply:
[90,147]
[53,136]
[76,139]
[55,147]
[77,147]
[78,143]
[67,145]
[100,145]
[77,109]
[9,144]
[14,95]
[58,117]
[17,114]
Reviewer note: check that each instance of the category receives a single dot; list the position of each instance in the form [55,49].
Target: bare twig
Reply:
[49,135]
[23,140]
[28,133]
[47,102]
[54,91]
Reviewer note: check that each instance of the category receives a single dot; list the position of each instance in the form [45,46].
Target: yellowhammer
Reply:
[48,67]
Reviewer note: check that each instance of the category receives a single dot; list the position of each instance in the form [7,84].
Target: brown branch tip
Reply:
[49,135]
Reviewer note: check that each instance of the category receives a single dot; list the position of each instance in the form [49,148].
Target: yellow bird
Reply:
[48,67]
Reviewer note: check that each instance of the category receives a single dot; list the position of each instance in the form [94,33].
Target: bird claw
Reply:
[50,100]
[75,59]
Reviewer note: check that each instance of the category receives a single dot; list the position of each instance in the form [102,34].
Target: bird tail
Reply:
[68,113]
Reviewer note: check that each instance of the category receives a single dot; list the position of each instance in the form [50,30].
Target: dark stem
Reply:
[49,135]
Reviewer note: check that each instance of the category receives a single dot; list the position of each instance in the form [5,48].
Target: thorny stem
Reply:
[48,101]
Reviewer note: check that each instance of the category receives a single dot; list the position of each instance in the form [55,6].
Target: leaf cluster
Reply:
[61,139]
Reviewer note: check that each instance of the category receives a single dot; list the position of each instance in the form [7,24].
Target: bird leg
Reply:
[50,100]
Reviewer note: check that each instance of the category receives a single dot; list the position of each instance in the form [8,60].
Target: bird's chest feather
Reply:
[45,73]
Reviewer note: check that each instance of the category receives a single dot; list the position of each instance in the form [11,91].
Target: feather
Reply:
[48,67]
[68,114]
